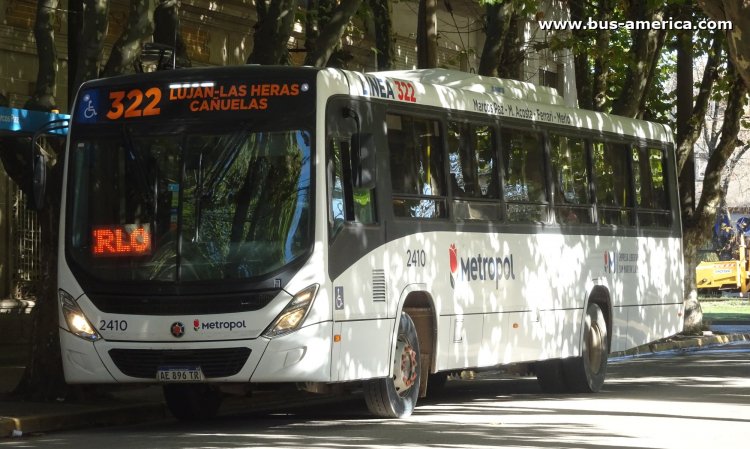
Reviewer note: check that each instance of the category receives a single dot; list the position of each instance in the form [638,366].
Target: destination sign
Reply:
[191,99]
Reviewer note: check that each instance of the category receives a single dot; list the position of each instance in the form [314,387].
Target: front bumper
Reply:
[300,356]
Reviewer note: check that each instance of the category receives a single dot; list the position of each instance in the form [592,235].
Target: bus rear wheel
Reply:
[586,374]
[551,376]
[192,402]
[396,396]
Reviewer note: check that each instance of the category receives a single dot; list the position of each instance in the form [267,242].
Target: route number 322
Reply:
[134,103]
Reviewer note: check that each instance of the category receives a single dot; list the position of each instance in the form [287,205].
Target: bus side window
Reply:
[523,176]
[473,171]
[343,196]
[570,180]
[612,181]
[337,214]
[650,196]
[416,166]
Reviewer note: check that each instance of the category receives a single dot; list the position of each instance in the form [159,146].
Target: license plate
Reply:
[181,374]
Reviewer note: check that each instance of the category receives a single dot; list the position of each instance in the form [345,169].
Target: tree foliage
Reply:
[738,12]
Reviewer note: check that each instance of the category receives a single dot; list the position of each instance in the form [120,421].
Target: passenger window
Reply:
[416,161]
[523,176]
[570,180]
[650,194]
[612,182]
[474,181]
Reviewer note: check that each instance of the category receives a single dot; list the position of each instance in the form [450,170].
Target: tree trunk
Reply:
[381,12]
[738,12]
[643,56]
[44,33]
[167,30]
[592,53]
[601,59]
[272,32]
[511,61]
[91,40]
[330,34]
[427,34]
[128,46]
[689,127]
[75,21]
[497,22]
[699,226]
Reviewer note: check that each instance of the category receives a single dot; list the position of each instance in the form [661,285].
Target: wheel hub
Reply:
[595,348]
[405,367]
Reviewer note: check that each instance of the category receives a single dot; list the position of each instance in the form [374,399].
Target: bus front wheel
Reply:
[586,374]
[192,402]
[396,396]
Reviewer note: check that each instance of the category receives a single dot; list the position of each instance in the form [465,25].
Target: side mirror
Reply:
[363,161]
[39,178]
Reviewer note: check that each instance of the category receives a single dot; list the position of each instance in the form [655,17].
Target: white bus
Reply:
[229,227]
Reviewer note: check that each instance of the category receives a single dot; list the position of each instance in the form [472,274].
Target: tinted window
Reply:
[474,181]
[612,181]
[649,183]
[523,175]
[416,162]
[570,180]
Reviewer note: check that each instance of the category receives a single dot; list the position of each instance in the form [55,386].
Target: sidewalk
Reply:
[139,404]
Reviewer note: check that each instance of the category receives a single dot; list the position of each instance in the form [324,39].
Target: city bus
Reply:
[372,233]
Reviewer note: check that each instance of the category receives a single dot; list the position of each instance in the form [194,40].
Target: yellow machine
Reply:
[730,275]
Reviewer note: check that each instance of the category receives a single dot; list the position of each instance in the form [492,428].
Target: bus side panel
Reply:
[619,329]
[463,340]
[364,351]
[652,322]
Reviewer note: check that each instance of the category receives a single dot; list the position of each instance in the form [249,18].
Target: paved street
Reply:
[679,400]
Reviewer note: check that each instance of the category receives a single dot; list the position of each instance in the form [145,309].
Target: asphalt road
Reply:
[678,400]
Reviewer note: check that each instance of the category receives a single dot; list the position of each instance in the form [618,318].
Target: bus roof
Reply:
[494,97]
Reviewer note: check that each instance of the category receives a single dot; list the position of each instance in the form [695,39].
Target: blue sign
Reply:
[88,107]
[28,122]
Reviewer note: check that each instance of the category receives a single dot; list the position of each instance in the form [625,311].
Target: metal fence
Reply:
[26,249]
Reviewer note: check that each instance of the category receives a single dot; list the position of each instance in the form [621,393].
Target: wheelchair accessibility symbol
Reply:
[90,111]
[338,293]
[87,107]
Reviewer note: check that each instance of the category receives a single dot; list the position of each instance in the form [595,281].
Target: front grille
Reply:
[143,363]
[182,305]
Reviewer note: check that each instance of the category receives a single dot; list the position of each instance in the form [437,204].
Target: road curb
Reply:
[90,417]
[685,343]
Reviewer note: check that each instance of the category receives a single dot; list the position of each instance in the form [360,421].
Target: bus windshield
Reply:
[197,203]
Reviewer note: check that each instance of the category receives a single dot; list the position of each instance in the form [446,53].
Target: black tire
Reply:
[192,402]
[436,383]
[586,374]
[396,396]
[550,375]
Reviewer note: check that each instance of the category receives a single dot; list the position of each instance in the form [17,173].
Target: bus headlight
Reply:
[77,322]
[291,318]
